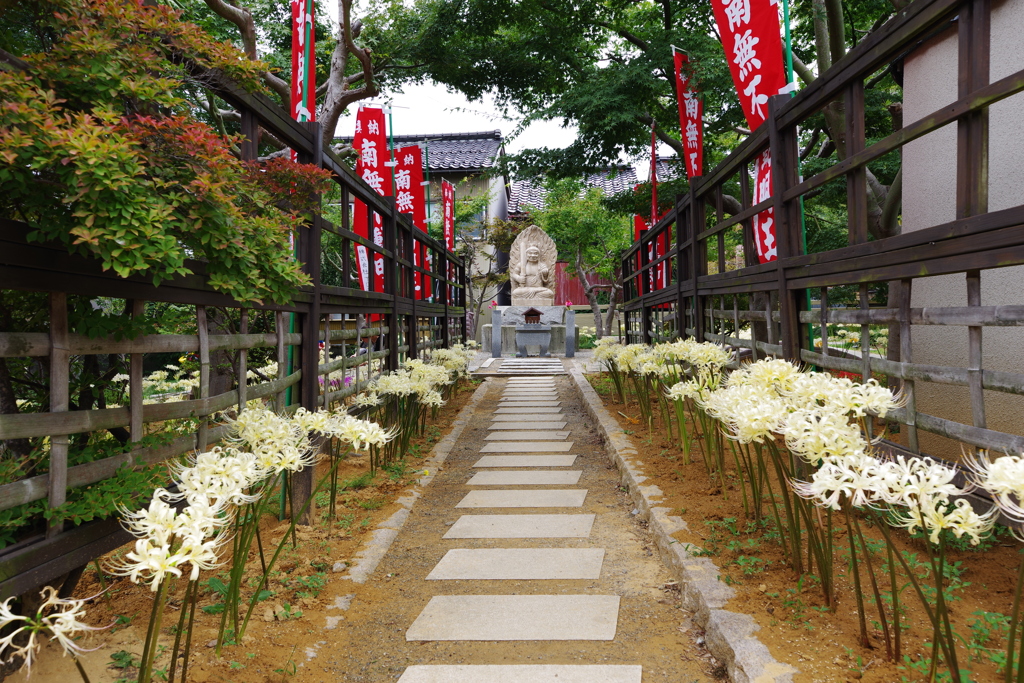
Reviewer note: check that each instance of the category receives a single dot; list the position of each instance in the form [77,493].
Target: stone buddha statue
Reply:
[531,268]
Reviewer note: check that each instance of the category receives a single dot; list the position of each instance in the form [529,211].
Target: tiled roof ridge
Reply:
[479,135]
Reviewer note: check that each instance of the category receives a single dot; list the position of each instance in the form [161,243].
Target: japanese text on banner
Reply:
[373,166]
[753,47]
[448,225]
[410,198]
[691,117]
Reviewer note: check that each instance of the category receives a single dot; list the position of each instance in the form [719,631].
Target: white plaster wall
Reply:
[929,198]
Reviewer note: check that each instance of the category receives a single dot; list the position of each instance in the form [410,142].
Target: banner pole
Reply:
[790,80]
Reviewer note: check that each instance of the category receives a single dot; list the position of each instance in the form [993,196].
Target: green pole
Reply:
[803,223]
[308,63]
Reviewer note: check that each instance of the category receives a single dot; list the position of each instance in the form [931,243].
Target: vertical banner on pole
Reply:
[448,224]
[409,198]
[372,165]
[659,274]
[691,117]
[303,87]
[753,47]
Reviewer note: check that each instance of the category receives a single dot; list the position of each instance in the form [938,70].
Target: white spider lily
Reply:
[818,433]
[934,514]
[1003,478]
[858,477]
[60,618]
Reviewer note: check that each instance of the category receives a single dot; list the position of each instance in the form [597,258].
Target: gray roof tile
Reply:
[454,151]
[532,192]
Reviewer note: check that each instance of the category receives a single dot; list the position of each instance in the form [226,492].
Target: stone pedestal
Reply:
[529,334]
[504,320]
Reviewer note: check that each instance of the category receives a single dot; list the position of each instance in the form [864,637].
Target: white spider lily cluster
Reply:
[59,618]
[1003,478]
[419,379]
[213,484]
[169,540]
[924,490]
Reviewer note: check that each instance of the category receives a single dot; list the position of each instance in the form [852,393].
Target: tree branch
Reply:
[803,71]
[623,33]
[240,17]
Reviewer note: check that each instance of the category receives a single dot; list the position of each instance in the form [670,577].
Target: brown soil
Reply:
[795,624]
[271,649]
[368,641]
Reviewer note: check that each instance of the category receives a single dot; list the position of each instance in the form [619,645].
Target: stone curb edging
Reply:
[729,636]
[374,549]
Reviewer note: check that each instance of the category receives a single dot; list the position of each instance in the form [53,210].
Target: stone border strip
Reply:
[373,550]
[729,635]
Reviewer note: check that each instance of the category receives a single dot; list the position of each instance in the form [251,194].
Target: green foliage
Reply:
[589,236]
[100,151]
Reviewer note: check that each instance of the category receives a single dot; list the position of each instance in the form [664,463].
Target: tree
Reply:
[100,151]
[483,281]
[354,55]
[589,237]
[605,66]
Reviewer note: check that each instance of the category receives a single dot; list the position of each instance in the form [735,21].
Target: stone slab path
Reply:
[522,562]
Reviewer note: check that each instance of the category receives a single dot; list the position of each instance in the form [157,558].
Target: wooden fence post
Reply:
[203,331]
[137,309]
[243,361]
[282,359]
[60,357]
[787,224]
[391,281]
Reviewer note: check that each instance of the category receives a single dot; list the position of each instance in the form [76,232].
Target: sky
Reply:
[429,109]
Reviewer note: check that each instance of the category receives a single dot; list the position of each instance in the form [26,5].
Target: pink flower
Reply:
[568,304]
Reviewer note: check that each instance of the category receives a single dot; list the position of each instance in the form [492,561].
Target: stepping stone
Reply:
[526,436]
[528,447]
[517,617]
[531,417]
[544,498]
[522,673]
[525,478]
[527,425]
[519,393]
[527,411]
[522,526]
[525,461]
[518,564]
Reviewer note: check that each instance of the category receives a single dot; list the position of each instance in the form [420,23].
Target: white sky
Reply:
[429,109]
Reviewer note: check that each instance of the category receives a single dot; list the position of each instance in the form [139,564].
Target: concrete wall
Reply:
[929,198]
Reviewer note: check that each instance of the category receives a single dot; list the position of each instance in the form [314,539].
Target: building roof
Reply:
[454,151]
[533,193]
[669,168]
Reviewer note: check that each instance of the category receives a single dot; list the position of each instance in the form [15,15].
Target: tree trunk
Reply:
[591,292]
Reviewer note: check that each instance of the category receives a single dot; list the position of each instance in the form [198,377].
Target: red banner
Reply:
[373,166]
[764,222]
[639,228]
[448,226]
[691,118]
[303,88]
[753,46]
[410,199]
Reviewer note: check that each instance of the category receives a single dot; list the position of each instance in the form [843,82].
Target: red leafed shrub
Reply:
[101,149]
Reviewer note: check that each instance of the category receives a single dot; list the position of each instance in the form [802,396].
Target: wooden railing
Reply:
[362,333]
[782,308]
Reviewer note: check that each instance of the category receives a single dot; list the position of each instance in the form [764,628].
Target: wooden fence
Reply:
[322,330]
[786,308]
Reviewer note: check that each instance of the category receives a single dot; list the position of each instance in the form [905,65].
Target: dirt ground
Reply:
[367,642]
[796,626]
